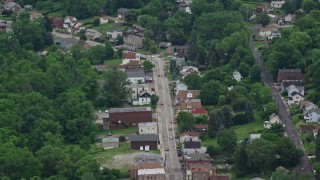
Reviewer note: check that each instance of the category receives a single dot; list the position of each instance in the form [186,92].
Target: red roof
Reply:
[217,177]
[56,22]
[199,111]
[192,134]
[128,55]
[201,126]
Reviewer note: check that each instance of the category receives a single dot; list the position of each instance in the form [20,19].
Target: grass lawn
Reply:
[131,130]
[113,62]
[208,142]
[59,14]
[105,26]
[243,131]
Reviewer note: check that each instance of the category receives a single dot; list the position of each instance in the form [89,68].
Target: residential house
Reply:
[292,88]
[72,24]
[143,98]
[290,18]
[136,76]
[189,105]
[127,117]
[181,49]
[144,166]
[199,111]
[28,7]
[9,27]
[254,136]
[130,65]
[110,142]
[200,127]
[306,129]
[314,115]
[277,4]
[306,106]
[34,16]
[12,6]
[200,173]
[128,56]
[287,77]
[3,27]
[194,160]
[103,20]
[269,32]
[148,128]
[186,70]
[179,59]
[164,45]
[237,76]
[156,174]
[56,22]
[189,136]
[273,119]
[295,94]
[133,42]
[101,116]
[122,13]
[66,43]
[93,34]
[264,8]
[144,142]
[193,147]
[113,34]
[187,94]
[138,29]
[137,89]
[180,86]
[149,158]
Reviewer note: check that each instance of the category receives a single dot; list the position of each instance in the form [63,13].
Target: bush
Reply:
[240,119]
[122,138]
[214,150]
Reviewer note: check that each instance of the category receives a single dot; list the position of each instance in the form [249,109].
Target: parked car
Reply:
[109,133]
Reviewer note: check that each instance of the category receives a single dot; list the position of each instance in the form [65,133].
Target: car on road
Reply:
[167,149]
[170,129]
[171,137]
[161,103]
[110,133]
[153,56]
[282,98]
[158,75]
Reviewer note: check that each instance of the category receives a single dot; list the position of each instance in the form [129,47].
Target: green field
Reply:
[113,62]
[243,131]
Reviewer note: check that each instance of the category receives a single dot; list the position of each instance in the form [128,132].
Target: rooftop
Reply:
[150,158]
[151,171]
[135,73]
[199,170]
[133,109]
[184,93]
[199,111]
[198,157]
[128,55]
[110,140]
[192,144]
[147,165]
[192,134]
[317,110]
[147,124]
[289,70]
[145,137]
[201,126]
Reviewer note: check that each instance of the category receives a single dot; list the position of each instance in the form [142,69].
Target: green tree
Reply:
[241,161]
[249,112]
[201,119]
[263,19]
[147,65]
[227,140]
[289,7]
[227,114]
[154,100]
[120,40]
[255,74]
[83,37]
[192,81]
[318,147]
[112,174]
[96,21]
[185,121]
[288,153]
[109,50]
[116,91]
[308,5]
[214,150]
[215,121]
[211,91]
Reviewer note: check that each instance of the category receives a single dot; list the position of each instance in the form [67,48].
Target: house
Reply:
[189,136]
[187,94]
[130,65]
[295,94]
[113,34]
[143,98]
[56,22]
[193,161]
[277,4]
[12,6]
[136,76]
[306,129]
[192,144]
[35,16]
[66,43]
[28,7]
[200,127]
[133,42]
[122,13]
[127,117]
[269,32]
[149,158]
[144,166]
[290,18]
[144,142]
[138,29]
[180,86]
[306,106]
[264,8]
[156,174]
[164,45]
[254,136]
[3,27]
[200,173]
[128,56]
[72,24]
[179,59]
[181,49]
[193,147]
[110,142]
[136,89]
[101,116]
[199,111]
[237,76]
[314,115]
[287,77]
[93,34]
[186,70]
[148,128]
[189,105]
[273,119]
[103,20]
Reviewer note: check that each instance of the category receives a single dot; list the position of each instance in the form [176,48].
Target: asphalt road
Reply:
[165,116]
[305,163]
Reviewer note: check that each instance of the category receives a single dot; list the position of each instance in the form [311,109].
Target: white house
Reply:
[201,150]
[269,32]
[148,128]
[290,18]
[136,76]
[186,70]
[180,86]
[237,76]
[293,88]
[273,119]
[113,34]
[128,56]
[92,33]
[306,106]
[314,115]
[277,4]
[137,89]
[104,20]
[72,24]
[143,98]
[295,94]
[189,136]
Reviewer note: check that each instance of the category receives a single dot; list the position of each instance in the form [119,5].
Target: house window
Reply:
[141,130]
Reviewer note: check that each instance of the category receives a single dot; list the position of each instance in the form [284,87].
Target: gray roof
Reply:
[149,158]
[147,124]
[198,157]
[92,31]
[135,73]
[317,110]
[147,137]
[192,144]
[110,140]
[133,109]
